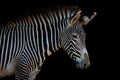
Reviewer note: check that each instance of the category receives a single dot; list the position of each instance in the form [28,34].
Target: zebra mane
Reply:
[46,11]
[51,9]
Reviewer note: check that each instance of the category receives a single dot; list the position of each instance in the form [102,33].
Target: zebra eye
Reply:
[75,36]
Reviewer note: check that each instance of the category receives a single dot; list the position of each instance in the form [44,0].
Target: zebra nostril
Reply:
[84,64]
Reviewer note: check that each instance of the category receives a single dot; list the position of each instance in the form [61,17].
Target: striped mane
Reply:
[68,10]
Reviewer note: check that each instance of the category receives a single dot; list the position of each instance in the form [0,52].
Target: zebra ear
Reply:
[86,19]
[74,18]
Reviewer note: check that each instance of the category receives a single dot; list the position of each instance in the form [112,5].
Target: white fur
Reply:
[10,69]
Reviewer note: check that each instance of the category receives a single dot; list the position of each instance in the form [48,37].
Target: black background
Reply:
[59,66]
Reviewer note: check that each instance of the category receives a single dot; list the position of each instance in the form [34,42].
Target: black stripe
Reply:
[4,50]
[40,40]
[39,37]
[9,47]
[44,36]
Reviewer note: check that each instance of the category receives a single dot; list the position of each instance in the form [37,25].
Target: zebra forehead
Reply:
[77,28]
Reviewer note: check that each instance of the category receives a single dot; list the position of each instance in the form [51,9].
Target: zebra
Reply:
[26,42]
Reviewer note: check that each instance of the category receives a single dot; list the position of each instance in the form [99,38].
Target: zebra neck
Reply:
[54,34]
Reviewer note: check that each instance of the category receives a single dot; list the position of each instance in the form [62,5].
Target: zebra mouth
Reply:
[80,64]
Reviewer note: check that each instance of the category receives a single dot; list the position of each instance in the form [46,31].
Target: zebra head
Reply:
[73,42]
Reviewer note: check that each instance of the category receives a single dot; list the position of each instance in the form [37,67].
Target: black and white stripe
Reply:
[28,40]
